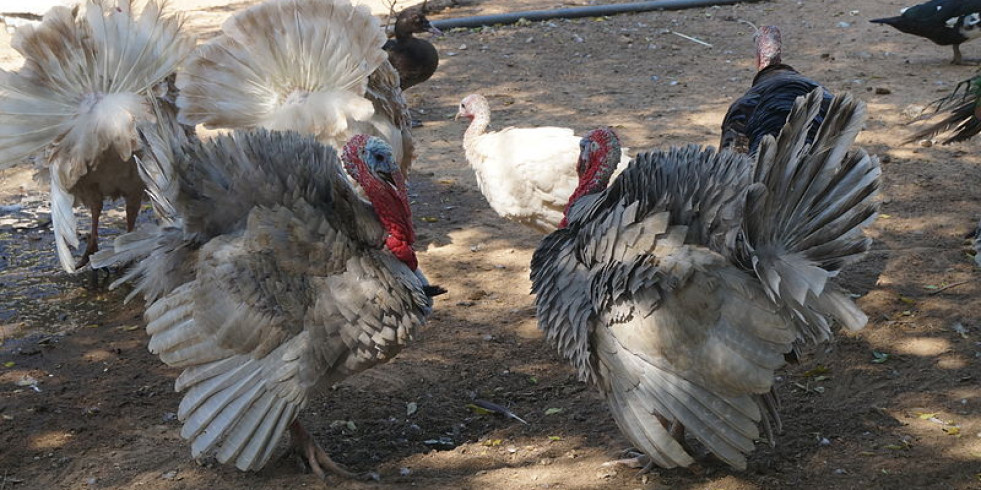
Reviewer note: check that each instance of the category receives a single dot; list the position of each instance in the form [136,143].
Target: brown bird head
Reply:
[413,20]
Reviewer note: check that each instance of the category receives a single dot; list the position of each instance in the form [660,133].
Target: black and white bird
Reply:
[945,22]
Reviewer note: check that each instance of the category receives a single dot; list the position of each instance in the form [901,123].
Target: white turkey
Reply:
[274,281]
[91,78]
[678,290]
[312,66]
[526,174]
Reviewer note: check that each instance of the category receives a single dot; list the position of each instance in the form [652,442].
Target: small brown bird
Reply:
[415,59]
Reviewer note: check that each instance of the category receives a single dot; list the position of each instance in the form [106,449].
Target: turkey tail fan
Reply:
[300,65]
[806,210]
[962,108]
[84,80]
[84,88]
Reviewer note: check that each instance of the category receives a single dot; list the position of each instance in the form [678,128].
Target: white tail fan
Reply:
[299,65]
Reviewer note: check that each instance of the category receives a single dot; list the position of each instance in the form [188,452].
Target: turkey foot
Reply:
[317,459]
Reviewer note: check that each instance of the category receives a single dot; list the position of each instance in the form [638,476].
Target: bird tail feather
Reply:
[84,82]
[807,209]
[228,409]
[288,65]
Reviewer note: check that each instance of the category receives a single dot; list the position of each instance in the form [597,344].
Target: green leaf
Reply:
[554,438]
[9,364]
[880,357]
[820,369]
[553,411]
[478,410]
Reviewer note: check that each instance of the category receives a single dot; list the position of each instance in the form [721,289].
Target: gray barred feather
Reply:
[678,289]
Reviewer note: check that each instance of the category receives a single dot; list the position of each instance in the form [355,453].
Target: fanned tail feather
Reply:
[85,81]
[963,109]
[228,409]
[300,65]
[63,222]
[806,212]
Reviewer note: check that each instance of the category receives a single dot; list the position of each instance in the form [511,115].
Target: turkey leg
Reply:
[315,456]
[93,245]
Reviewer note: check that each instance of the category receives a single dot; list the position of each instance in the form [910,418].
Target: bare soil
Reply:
[894,406]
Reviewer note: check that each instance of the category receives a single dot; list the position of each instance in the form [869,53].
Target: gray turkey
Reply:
[274,280]
[678,289]
[91,78]
[765,106]
[312,66]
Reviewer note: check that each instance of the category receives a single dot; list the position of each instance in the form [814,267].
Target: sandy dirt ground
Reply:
[894,406]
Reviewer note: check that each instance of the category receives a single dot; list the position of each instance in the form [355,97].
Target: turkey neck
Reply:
[596,177]
[478,124]
[768,47]
[392,208]
[391,205]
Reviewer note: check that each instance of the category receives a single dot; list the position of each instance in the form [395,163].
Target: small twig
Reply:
[744,21]
[692,39]
[953,285]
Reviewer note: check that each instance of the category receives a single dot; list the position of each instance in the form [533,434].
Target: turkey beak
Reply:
[387,177]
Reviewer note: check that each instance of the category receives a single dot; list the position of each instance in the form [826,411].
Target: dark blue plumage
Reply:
[945,22]
[764,108]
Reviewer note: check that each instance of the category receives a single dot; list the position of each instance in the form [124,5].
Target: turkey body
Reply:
[945,22]
[678,290]
[312,66]
[274,281]
[92,79]
[763,109]
[526,174]
[414,59]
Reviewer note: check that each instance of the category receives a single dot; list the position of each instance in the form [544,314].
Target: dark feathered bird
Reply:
[415,59]
[678,289]
[961,114]
[945,22]
[765,106]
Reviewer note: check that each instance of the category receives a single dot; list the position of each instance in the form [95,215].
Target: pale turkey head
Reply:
[768,46]
[473,106]
[371,163]
[599,154]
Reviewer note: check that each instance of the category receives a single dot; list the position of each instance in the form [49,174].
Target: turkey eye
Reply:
[379,158]
[593,146]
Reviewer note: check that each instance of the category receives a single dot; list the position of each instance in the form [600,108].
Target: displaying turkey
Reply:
[678,290]
[274,281]
[945,22]
[90,79]
[765,106]
[312,66]
[526,174]
[960,112]
[414,59]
